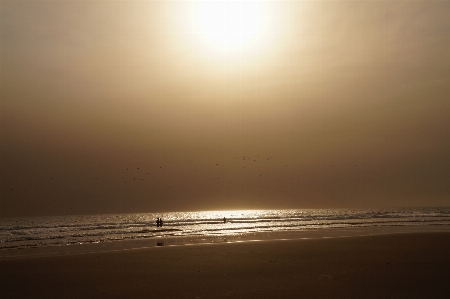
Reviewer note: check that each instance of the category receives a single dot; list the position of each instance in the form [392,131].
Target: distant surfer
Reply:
[159,222]
[224,220]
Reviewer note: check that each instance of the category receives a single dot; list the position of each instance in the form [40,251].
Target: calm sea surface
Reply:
[35,232]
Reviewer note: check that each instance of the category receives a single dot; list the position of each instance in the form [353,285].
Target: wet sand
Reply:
[412,265]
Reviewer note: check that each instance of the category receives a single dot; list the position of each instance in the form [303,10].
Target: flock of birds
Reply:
[155,173]
[133,174]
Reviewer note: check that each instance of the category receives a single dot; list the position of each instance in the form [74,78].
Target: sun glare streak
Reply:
[224,50]
[228,25]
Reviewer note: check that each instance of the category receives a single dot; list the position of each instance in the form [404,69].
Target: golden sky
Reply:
[145,106]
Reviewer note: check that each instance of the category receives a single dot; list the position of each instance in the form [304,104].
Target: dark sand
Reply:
[415,265]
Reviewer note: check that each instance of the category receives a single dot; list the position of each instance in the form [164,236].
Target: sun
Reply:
[229,26]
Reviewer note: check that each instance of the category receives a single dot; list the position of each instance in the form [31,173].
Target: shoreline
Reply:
[403,265]
[169,241]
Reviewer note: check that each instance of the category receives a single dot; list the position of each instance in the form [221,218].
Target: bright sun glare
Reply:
[229,26]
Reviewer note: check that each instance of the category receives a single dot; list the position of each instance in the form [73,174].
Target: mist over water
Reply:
[35,232]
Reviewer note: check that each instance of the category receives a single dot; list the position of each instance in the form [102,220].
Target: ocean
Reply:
[37,232]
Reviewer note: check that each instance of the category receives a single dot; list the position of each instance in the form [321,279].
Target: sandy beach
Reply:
[413,265]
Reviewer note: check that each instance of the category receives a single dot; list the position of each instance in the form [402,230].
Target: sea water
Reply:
[36,232]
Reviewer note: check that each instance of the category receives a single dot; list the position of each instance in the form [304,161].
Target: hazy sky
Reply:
[148,106]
